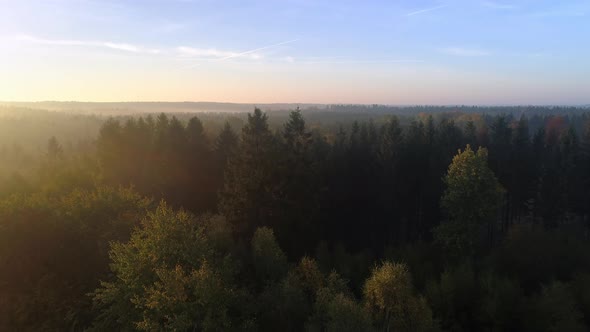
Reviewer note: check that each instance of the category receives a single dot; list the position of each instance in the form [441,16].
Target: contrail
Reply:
[426,10]
[257,49]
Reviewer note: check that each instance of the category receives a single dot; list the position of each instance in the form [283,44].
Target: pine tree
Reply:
[584,167]
[248,197]
[110,149]
[391,141]
[570,159]
[470,133]
[521,182]
[54,149]
[299,178]
[226,143]
[195,134]
[295,134]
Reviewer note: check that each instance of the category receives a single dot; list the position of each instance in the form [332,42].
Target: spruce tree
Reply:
[251,183]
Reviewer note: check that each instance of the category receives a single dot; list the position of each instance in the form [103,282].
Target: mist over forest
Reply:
[209,217]
[300,165]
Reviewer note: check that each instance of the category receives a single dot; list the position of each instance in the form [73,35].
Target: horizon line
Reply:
[303,103]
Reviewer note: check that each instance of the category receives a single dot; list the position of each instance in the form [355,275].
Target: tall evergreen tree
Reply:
[470,133]
[248,197]
[521,183]
[54,149]
[300,182]
[226,145]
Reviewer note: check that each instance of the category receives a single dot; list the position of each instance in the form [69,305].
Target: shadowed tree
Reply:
[54,149]
[226,144]
[389,295]
[248,197]
[299,187]
[472,199]
[176,273]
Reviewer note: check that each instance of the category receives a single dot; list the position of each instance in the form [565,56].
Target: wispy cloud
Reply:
[210,53]
[246,53]
[460,51]
[190,53]
[219,55]
[348,60]
[498,5]
[426,10]
[81,43]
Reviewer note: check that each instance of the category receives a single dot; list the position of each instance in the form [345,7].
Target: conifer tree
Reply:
[299,178]
[54,149]
[521,181]
[470,133]
[248,197]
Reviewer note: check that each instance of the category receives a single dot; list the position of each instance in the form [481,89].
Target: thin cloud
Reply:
[460,51]
[212,54]
[209,53]
[189,53]
[219,55]
[257,49]
[81,43]
[361,61]
[426,10]
[312,60]
[344,60]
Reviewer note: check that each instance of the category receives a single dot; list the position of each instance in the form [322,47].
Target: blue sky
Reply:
[392,52]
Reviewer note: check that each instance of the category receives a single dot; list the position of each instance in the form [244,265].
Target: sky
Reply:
[403,52]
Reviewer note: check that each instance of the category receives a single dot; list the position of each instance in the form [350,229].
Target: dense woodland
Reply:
[344,218]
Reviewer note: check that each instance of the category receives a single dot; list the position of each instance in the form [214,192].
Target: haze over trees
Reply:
[345,218]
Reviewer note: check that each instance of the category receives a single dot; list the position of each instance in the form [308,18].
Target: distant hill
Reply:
[153,107]
[127,108]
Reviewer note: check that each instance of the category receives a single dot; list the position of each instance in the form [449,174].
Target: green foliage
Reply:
[554,309]
[472,199]
[365,183]
[161,158]
[344,314]
[269,260]
[334,307]
[226,143]
[534,256]
[456,299]
[250,185]
[296,199]
[580,286]
[503,304]
[175,273]
[54,250]
[283,305]
[389,296]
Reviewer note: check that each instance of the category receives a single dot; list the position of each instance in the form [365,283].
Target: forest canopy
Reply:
[332,218]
